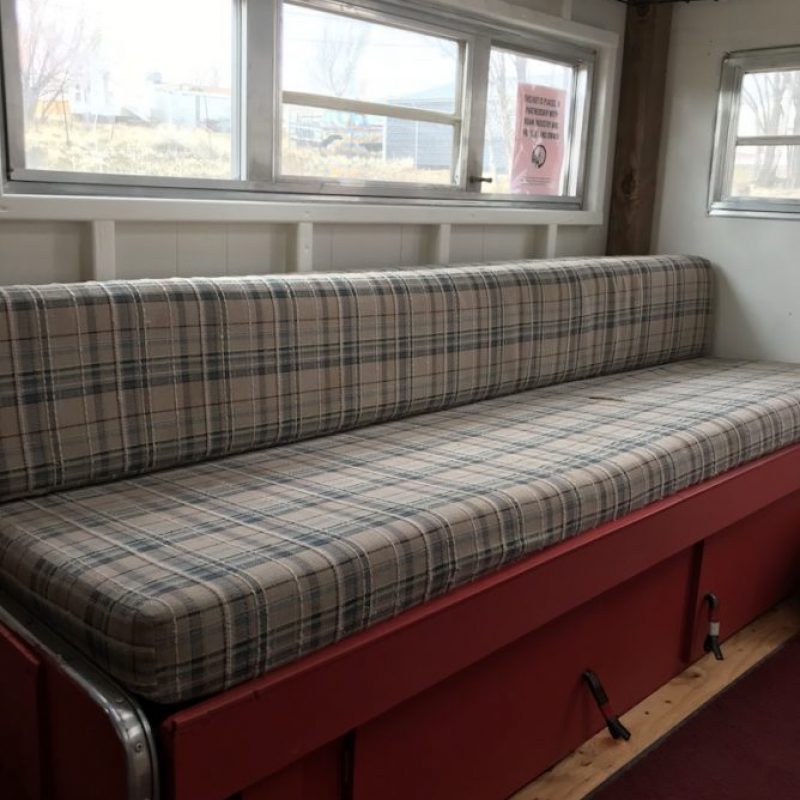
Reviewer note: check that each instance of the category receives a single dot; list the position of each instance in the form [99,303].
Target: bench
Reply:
[311,530]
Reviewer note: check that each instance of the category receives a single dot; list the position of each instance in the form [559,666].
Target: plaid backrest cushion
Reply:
[100,381]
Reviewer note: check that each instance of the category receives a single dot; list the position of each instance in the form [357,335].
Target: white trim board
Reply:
[88,209]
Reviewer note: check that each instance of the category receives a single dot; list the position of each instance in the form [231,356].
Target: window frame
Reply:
[39,181]
[577,139]
[257,101]
[458,119]
[735,66]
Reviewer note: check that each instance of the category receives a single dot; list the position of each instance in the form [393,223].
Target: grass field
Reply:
[345,163]
[168,151]
[128,150]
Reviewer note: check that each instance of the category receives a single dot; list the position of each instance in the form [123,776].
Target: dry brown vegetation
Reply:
[117,148]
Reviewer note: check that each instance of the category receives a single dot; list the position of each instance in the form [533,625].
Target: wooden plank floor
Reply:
[601,757]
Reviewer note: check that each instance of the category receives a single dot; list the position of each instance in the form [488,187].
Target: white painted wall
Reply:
[45,240]
[188,249]
[607,14]
[37,252]
[758,298]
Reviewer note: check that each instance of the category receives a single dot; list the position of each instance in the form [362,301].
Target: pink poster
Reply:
[538,140]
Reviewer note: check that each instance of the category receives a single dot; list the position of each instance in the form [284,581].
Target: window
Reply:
[366,101]
[373,98]
[757,147]
[531,102]
[106,92]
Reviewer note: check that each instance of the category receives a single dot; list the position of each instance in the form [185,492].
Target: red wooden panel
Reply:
[235,739]
[20,729]
[55,742]
[750,566]
[494,727]
[316,777]
[85,760]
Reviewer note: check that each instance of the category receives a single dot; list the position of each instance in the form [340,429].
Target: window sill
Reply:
[780,211]
[148,209]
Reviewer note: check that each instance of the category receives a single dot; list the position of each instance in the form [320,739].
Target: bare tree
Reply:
[336,61]
[773,100]
[502,108]
[794,152]
[52,51]
[336,64]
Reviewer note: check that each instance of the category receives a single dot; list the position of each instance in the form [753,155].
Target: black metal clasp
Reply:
[615,727]
[711,643]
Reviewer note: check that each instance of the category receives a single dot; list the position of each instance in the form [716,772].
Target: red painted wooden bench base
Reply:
[472,695]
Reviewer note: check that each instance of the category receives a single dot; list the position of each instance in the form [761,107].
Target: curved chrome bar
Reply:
[124,713]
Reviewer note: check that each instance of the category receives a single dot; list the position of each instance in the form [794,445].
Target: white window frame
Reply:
[457,119]
[18,177]
[322,186]
[577,135]
[726,139]
[256,147]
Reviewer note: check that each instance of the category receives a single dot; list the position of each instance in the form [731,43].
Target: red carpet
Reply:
[745,745]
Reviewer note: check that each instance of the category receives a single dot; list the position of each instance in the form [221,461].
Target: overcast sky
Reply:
[190,41]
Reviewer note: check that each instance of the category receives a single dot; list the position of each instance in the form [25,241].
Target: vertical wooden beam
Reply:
[103,250]
[441,244]
[641,110]
[550,241]
[304,247]
[546,241]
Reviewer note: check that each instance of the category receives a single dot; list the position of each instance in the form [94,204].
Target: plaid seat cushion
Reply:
[190,580]
[101,381]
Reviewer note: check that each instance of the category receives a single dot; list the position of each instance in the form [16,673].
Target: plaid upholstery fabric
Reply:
[190,580]
[101,381]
